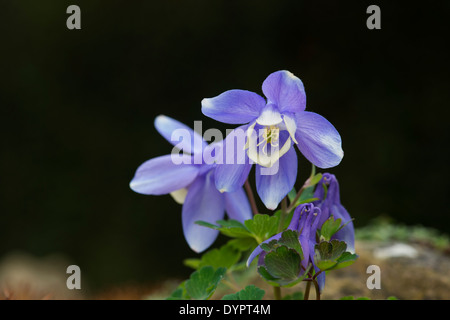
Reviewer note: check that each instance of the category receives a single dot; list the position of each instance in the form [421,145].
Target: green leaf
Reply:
[329,228]
[192,263]
[262,226]
[283,263]
[325,191]
[231,224]
[243,244]
[207,225]
[326,264]
[234,229]
[282,260]
[345,260]
[306,200]
[292,194]
[249,293]
[308,193]
[203,282]
[315,180]
[326,253]
[307,196]
[330,250]
[353,298]
[269,246]
[298,295]
[287,220]
[268,277]
[230,228]
[179,293]
[295,296]
[225,256]
[265,274]
[299,279]
[289,238]
[235,233]
[332,255]
[238,266]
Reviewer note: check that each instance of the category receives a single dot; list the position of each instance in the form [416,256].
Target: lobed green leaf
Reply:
[262,226]
[249,293]
[203,282]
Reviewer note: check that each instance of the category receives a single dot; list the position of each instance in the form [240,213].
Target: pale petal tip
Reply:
[161,117]
[133,184]
[290,74]
[196,250]
[161,120]
[198,247]
[179,195]
[270,204]
[206,103]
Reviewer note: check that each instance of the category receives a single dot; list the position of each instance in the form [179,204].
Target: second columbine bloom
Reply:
[190,184]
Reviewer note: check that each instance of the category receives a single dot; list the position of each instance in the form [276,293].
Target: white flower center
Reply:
[258,144]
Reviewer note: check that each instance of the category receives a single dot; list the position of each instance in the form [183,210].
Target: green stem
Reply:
[277,293]
[297,196]
[232,280]
[308,288]
[316,285]
[251,197]
[231,285]
[299,193]
[313,170]
[315,276]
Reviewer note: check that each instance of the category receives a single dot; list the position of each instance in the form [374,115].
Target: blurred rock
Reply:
[25,277]
[409,271]
[396,250]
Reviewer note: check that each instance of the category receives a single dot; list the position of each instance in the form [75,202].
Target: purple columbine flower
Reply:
[330,204]
[190,184]
[305,221]
[271,127]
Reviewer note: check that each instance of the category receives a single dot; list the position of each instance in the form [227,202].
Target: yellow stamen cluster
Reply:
[270,135]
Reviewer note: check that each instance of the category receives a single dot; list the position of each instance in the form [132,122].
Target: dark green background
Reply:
[77,111]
